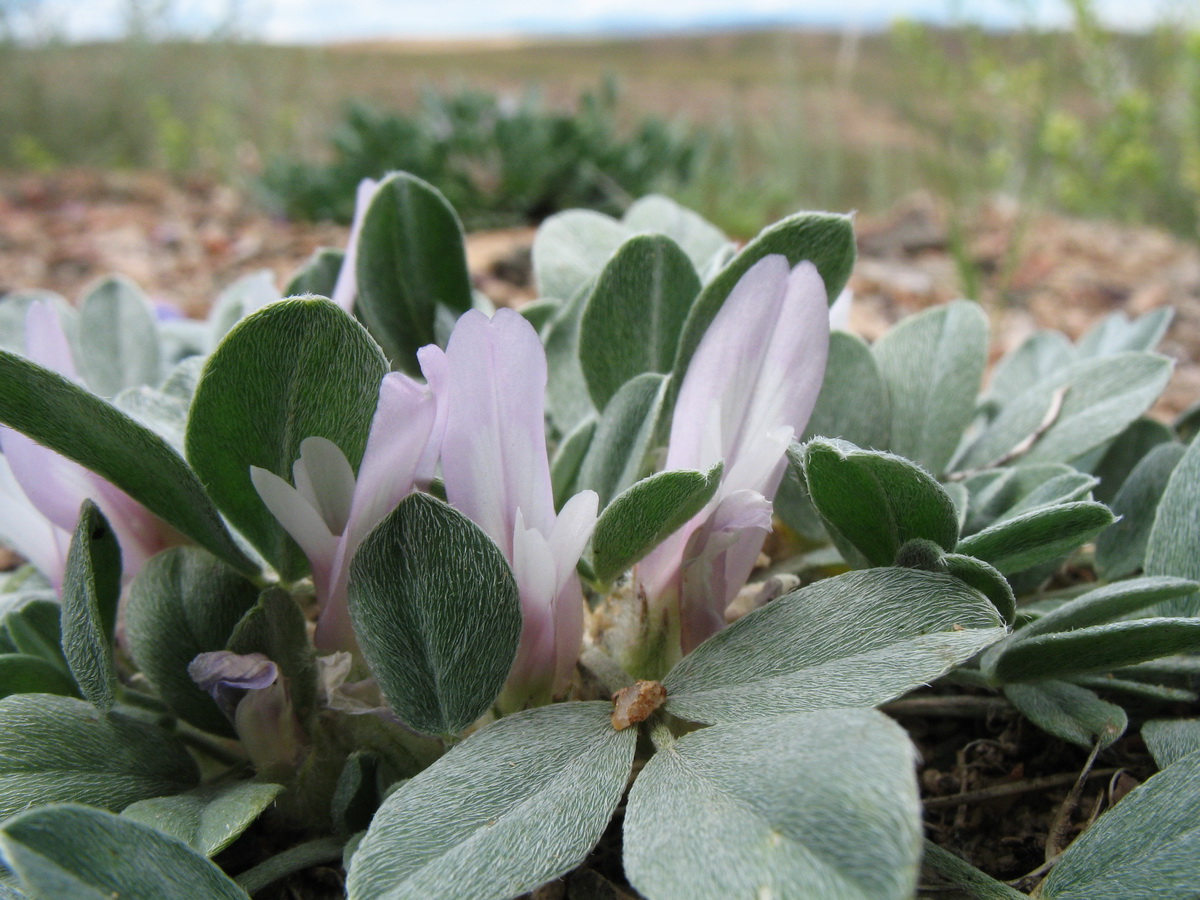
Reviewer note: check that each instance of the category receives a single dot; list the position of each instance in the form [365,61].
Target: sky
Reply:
[319,21]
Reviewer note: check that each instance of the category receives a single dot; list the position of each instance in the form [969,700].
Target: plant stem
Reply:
[210,747]
[966,876]
[298,858]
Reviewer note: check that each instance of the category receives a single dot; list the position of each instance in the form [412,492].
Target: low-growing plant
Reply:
[499,160]
[435,594]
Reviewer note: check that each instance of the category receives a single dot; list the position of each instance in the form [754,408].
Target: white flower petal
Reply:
[325,480]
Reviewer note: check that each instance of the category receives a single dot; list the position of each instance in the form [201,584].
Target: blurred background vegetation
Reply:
[743,126]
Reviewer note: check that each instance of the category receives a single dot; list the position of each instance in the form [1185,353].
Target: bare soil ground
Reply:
[997,789]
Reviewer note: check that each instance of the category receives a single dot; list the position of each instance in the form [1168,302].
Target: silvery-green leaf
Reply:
[59,414]
[825,239]
[568,459]
[632,318]
[1040,356]
[568,403]
[181,339]
[90,591]
[357,794]
[1172,548]
[437,614]
[821,804]
[1038,536]
[1187,423]
[118,338]
[21,673]
[616,456]
[1127,450]
[515,805]
[87,854]
[1146,846]
[1099,398]
[57,749]
[645,514]
[1116,333]
[571,248]
[877,501]
[162,413]
[856,640]
[276,627]
[1121,548]
[1069,712]
[209,818]
[1107,603]
[318,275]
[247,295]
[1155,693]
[932,363]
[853,404]
[1096,648]
[295,369]
[411,262]
[699,238]
[182,603]
[1170,740]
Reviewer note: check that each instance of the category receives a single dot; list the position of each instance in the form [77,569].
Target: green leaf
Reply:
[21,673]
[118,338]
[696,236]
[1069,712]
[209,818]
[933,363]
[571,248]
[90,591]
[633,317]
[538,313]
[821,804]
[437,614]
[356,796]
[1099,398]
[183,603]
[853,404]
[58,749]
[1121,548]
[34,627]
[616,456]
[515,805]
[411,263]
[318,275]
[568,460]
[984,578]
[1097,648]
[1038,536]
[88,854]
[1146,846]
[276,627]
[1175,536]
[1170,740]
[876,501]
[295,369]
[825,239]
[1107,603]
[1127,450]
[248,294]
[59,414]
[999,494]
[645,514]
[856,640]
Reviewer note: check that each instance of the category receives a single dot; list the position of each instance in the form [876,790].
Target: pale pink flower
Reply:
[329,511]
[497,472]
[345,289]
[39,480]
[749,389]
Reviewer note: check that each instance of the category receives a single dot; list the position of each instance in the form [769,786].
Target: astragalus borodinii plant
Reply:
[434,589]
